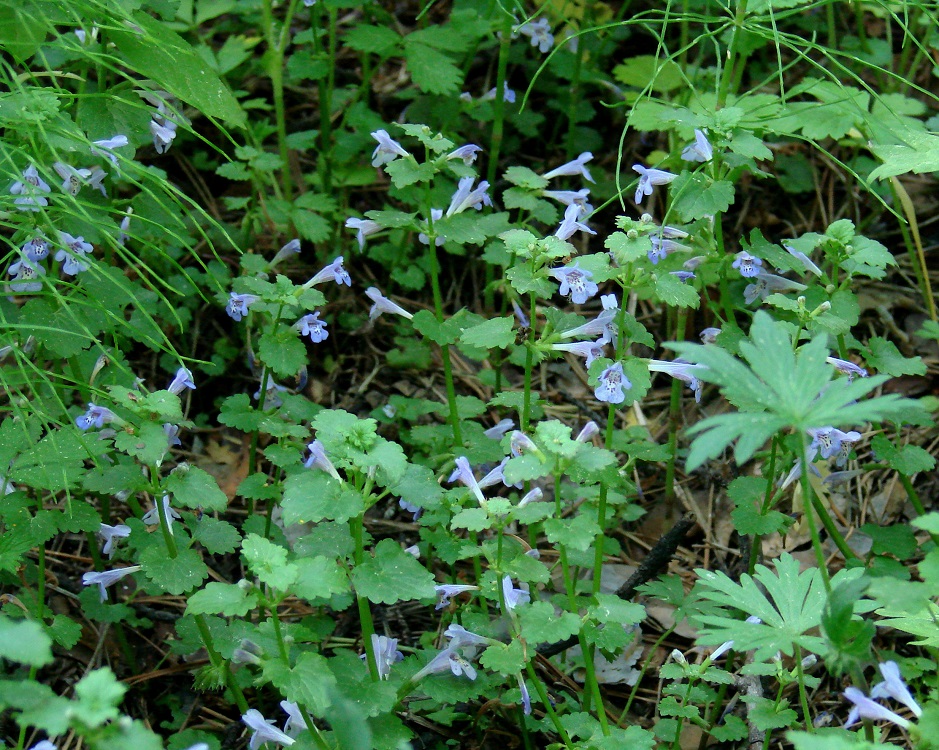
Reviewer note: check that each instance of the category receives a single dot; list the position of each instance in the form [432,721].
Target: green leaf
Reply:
[217,536]
[310,682]
[525,178]
[658,74]
[495,333]
[626,249]
[147,442]
[695,195]
[281,349]
[392,575]
[99,693]
[157,52]
[447,332]
[55,463]
[919,153]
[268,562]
[238,412]
[174,575]
[791,607]
[676,293]
[226,599]
[196,488]
[379,40]
[577,532]
[610,608]
[884,357]
[505,658]
[23,28]
[908,460]
[319,577]
[748,494]
[432,71]
[25,642]
[541,624]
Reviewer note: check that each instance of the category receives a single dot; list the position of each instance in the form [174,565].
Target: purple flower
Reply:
[507,95]
[570,224]
[295,722]
[183,379]
[238,305]
[152,516]
[29,189]
[683,276]
[588,432]
[520,444]
[387,150]
[36,249]
[73,179]
[172,435]
[803,259]
[460,637]
[662,247]
[591,350]
[681,370]
[320,460]
[383,305]
[125,225]
[411,508]
[700,150]
[264,731]
[95,416]
[466,197]
[107,578]
[727,645]
[109,534]
[748,265]
[575,167]
[163,132]
[576,283]
[611,383]
[386,654]
[571,198]
[768,282]
[436,214]
[513,596]
[709,335]
[464,474]
[447,590]
[447,660]
[848,368]
[26,276]
[539,32]
[866,708]
[73,262]
[526,698]
[467,153]
[523,320]
[894,687]
[363,227]
[312,326]
[649,178]
[107,145]
[534,495]
[291,248]
[497,431]
[830,441]
[333,272]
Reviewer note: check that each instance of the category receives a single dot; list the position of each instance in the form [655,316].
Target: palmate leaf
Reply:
[782,388]
[791,607]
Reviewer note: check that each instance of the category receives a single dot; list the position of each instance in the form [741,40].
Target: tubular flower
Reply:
[387,150]
[29,190]
[648,179]
[73,262]
[386,654]
[152,516]
[748,265]
[539,32]
[803,259]
[700,150]
[95,416]
[318,459]
[611,385]
[383,305]
[181,381]
[291,248]
[576,283]
[106,146]
[571,168]
[768,282]
[333,272]
[570,224]
[107,578]
[363,228]
[26,276]
[109,534]
[848,368]
[709,335]
[264,730]
[446,591]
[467,153]
[436,214]
[867,708]
[311,325]
[238,305]
[680,370]
[466,197]
[508,95]
[590,350]
[499,429]
[464,474]
[36,249]
[513,596]
[571,198]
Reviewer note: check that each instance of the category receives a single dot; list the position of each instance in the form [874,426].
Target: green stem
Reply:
[525,417]
[756,544]
[727,74]
[674,415]
[549,709]
[365,613]
[438,312]
[808,505]
[803,695]
[275,71]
